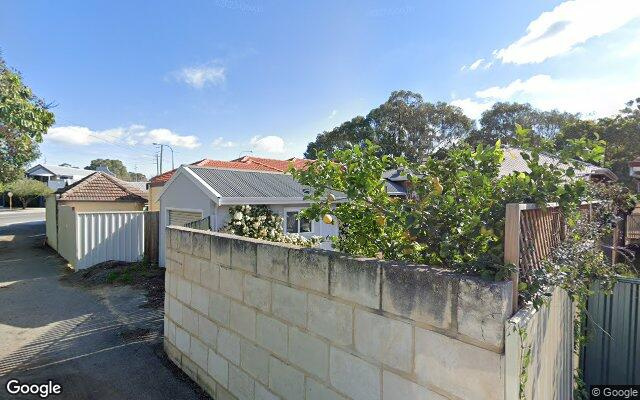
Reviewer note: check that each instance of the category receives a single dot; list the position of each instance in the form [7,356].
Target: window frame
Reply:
[297,210]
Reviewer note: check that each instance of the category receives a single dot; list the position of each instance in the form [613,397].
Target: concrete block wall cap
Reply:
[483,282]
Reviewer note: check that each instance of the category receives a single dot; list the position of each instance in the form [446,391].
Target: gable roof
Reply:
[101,187]
[230,186]
[265,187]
[61,171]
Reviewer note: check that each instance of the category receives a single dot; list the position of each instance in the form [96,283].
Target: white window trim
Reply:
[284,221]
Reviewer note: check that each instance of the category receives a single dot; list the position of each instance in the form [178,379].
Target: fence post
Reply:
[512,246]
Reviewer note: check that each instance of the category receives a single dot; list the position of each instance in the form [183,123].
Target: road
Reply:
[97,344]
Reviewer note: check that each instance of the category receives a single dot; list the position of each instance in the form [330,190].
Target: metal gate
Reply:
[612,354]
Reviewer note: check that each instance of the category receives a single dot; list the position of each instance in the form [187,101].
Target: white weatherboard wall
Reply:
[250,319]
[86,239]
[184,195]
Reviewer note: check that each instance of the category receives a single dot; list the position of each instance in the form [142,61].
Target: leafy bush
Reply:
[453,214]
[26,190]
[259,222]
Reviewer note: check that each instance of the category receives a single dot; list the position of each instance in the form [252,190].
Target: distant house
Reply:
[55,176]
[396,179]
[196,192]
[102,192]
[514,162]
[94,193]
[247,163]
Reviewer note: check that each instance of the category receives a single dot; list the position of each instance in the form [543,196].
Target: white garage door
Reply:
[181,218]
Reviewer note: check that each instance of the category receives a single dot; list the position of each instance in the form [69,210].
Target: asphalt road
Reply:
[96,344]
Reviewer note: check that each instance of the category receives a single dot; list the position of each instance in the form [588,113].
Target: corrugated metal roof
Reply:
[514,162]
[233,183]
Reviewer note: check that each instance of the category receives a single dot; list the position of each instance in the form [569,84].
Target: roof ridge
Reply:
[253,160]
[274,172]
[122,184]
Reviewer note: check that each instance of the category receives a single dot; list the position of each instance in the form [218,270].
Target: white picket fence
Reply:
[89,238]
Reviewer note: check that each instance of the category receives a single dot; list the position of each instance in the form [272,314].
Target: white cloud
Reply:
[476,64]
[479,63]
[537,83]
[471,108]
[268,144]
[568,25]
[333,114]
[132,135]
[165,136]
[201,76]
[220,143]
[82,136]
[592,97]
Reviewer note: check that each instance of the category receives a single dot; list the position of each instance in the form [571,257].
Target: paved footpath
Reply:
[98,344]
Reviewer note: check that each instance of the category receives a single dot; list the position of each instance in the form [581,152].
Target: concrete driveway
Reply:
[99,344]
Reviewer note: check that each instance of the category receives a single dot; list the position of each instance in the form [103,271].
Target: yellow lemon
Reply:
[327,219]
[437,186]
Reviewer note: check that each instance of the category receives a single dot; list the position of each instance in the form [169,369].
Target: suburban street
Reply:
[96,344]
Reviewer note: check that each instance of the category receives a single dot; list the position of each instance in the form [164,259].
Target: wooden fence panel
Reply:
[151,233]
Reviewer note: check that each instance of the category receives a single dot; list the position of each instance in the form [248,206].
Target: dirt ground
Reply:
[148,278]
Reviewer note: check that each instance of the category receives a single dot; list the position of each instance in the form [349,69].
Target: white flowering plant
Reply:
[259,222]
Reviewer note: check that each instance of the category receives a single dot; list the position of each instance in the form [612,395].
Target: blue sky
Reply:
[217,78]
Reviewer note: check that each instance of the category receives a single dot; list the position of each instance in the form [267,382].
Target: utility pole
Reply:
[170,148]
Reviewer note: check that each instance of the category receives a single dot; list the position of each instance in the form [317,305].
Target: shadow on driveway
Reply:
[98,344]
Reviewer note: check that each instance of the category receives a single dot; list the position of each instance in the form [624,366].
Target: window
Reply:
[293,224]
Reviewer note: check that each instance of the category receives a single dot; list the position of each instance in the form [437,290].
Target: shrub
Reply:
[453,214]
[259,222]
[26,190]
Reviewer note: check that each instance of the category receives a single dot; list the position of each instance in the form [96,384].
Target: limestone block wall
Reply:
[248,319]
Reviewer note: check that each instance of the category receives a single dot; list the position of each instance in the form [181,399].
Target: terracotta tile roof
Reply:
[279,165]
[248,163]
[102,187]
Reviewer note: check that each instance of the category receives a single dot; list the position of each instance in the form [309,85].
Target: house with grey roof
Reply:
[56,176]
[196,192]
[396,179]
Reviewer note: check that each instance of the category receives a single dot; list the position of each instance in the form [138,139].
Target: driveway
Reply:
[99,344]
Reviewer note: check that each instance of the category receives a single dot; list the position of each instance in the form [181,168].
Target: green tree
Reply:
[24,118]
[115,166]
[453,214]
[622,134]
[499,123]
[26,190]
[405,125]
[136,177]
